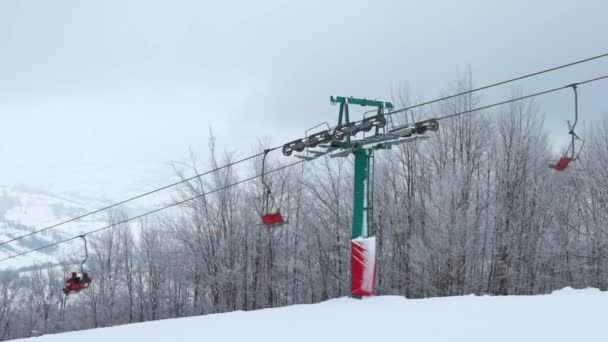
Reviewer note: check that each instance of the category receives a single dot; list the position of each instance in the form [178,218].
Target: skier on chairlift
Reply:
[75,283]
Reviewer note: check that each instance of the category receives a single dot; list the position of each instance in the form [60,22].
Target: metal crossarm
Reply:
[360,102]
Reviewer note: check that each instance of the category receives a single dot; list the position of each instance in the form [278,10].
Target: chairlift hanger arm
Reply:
[574,89]
[264,170]
[573,155]
[86,253]
[360,102]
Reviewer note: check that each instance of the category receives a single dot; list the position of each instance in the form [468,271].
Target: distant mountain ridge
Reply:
[26,209]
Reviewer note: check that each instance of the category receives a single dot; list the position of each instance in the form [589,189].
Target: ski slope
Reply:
[566,315]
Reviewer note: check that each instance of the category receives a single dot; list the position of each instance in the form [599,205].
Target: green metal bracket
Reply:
[341,144]
[343,116]
[361,102]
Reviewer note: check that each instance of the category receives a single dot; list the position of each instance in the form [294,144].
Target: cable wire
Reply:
[149,212]
[389,113]
[498,83]
[259,154]
[284,167]
[133,198]
[520,98]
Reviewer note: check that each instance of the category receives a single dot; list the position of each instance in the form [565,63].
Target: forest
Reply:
[475,209]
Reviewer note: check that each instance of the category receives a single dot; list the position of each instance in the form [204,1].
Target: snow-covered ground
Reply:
[566,315]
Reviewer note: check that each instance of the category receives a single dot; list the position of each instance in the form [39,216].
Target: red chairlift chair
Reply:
[273,219]
[270,218]
[75,284]
[571,154]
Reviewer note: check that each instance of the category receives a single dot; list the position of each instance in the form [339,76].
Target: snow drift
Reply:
[566,315]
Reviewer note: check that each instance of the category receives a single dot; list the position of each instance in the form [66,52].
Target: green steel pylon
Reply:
[338,143]
[362,224]
[362,210]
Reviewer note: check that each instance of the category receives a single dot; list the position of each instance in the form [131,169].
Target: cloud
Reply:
[133,84]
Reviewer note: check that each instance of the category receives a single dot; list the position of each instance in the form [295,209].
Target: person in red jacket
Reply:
[72,284]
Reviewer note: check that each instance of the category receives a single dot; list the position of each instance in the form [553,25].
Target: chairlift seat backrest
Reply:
[273,219]
[562,164]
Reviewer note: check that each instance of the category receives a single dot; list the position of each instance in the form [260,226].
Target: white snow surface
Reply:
[566,315]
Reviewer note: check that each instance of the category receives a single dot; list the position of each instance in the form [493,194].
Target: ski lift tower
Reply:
[363,256]
[363,187]
[341,143]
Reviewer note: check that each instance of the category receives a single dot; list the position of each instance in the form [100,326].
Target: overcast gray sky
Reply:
[103,95]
